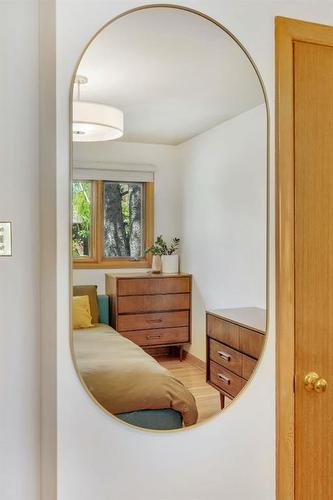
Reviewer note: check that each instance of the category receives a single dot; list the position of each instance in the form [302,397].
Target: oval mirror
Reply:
[169,218]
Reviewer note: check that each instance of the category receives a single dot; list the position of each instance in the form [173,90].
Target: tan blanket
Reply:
[123,377]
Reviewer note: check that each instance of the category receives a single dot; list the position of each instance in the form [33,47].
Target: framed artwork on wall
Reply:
[5,239]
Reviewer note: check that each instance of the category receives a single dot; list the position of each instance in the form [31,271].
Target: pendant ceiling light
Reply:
[94,121]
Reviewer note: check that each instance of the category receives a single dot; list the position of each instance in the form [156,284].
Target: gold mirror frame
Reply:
[223,28]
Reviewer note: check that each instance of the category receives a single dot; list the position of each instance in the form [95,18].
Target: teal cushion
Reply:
[104,309]
[166,419]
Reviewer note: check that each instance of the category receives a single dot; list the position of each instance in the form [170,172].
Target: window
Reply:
[112,223]
[123,221]
[82,218]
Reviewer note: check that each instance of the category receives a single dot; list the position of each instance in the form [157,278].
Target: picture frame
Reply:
[5,239]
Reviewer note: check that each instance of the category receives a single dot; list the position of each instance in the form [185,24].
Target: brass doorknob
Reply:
[320,385]
[312,382]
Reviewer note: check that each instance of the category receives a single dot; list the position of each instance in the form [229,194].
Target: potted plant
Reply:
[164,256]
[157,249]
[170,260]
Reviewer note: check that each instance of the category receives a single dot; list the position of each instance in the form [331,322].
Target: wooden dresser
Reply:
[151,309]
[235,338]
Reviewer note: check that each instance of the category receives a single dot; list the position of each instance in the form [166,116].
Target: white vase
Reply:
[156,264]
[170,264]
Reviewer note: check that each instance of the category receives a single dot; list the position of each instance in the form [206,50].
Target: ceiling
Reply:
[173,73]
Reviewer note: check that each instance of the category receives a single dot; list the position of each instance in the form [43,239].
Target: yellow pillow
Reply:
[81,312]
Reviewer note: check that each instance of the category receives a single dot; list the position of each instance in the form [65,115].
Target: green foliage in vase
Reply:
[174,246]
[160,246]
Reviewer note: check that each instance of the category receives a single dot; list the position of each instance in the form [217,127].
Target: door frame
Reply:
[287,31]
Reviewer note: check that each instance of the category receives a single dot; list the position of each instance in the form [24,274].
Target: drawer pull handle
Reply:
[224,379]
[154,320]
[153,337]
[224,355]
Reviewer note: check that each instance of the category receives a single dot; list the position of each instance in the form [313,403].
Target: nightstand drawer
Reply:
[223,331]
[225,356]
[251,342]
[127,322]
[148,303]
[225,380]
[235,361]
[159,336]
[152,286]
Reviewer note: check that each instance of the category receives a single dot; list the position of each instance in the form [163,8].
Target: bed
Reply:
[127,381]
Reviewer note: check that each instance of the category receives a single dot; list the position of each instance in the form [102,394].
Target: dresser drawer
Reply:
[152,286]
[159,336]
[148,303]
[225,356]
[221,330]
[127,322]
[251,342]
[226,380]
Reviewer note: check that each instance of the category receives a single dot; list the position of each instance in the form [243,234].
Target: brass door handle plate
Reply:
[312,382]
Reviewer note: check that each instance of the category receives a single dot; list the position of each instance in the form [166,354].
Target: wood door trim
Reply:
[287,31]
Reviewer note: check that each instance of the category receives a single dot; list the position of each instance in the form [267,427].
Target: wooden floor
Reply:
[194,378]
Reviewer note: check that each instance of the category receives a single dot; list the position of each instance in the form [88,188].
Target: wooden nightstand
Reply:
[235,338]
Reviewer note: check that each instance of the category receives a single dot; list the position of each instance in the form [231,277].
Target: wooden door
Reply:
[305,260]
[313,268]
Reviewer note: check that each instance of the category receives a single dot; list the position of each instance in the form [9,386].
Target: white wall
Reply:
[224,217]
[163,160]
[19,274]
[48,249]
[97,456]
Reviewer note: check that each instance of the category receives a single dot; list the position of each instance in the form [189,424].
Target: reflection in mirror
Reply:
[168,218]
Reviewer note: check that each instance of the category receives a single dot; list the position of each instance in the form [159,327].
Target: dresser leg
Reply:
[222,400]
[180,353]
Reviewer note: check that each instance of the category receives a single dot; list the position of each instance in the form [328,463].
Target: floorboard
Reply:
[194,378]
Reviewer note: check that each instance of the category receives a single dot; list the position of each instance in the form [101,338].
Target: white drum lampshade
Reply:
[96,122]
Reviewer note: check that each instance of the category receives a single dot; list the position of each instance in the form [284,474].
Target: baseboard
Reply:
[194,360]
